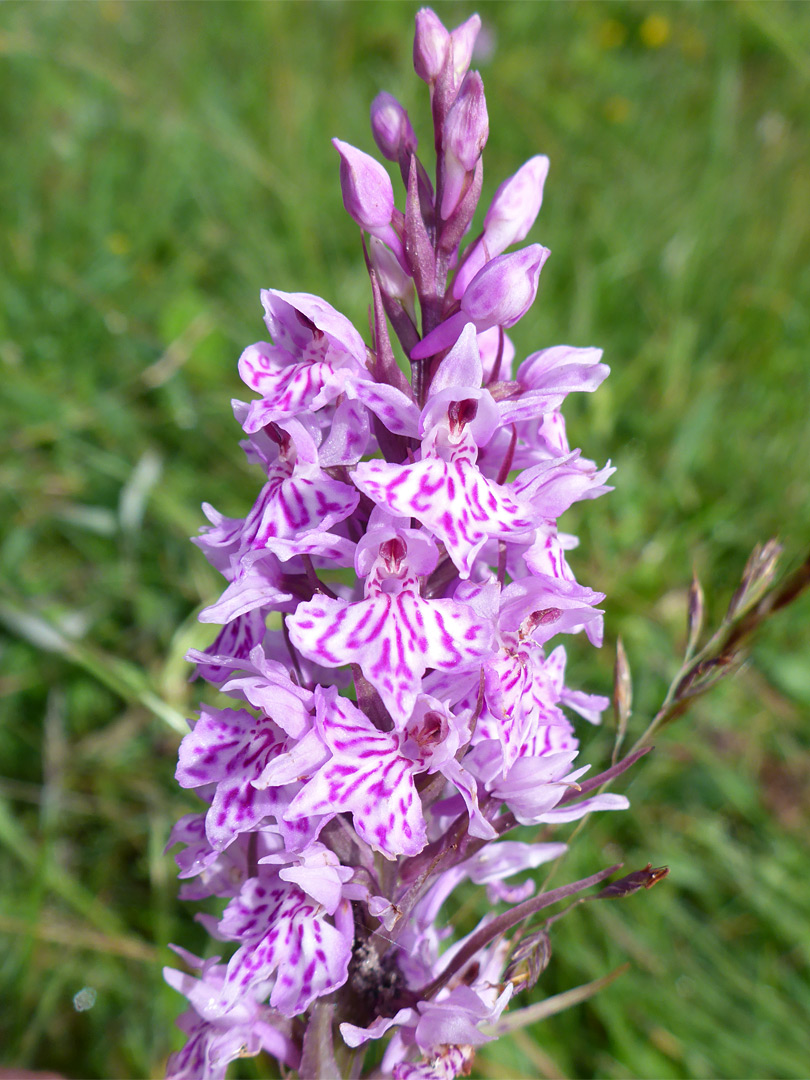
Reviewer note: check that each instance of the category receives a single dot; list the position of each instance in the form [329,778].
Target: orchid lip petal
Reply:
[394,639]
[367,776]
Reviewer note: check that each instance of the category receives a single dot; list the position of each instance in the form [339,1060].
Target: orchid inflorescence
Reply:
[391,599]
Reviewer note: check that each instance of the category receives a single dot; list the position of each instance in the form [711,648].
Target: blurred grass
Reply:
[160,163]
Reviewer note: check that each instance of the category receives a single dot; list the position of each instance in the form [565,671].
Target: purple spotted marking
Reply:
[366,776]
[230,748]
[453,499]
[288,932]
[395,636]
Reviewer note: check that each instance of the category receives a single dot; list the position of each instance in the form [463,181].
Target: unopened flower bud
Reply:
[465,135]
[391,126]
[393,280]
[529,960]
[516,205]
[639,879]
[504,290]
[694,619]
[431,45]
[499,295]
[622,693]
[367,191]
[463,42]
[757,578]
[511,214]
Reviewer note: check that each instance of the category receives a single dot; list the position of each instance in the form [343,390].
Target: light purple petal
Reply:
[467,787]
[296,762]
[547,377]
[366,776]
[220,540]
[399,414]
[442,337]
[462,366]
[280,316]
[268,687]
[454,500]
[553,605]
[322,545]
[230,747]
[258,586]
[498,861]
[589,706]
[356,1036]
[394,639]
[317,871]
[489,345]
[574,811]
[283,932]
[453,1021]
[533,786]
[553,486]
[348,435]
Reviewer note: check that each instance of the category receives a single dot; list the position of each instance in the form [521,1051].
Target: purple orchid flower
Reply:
[396,707]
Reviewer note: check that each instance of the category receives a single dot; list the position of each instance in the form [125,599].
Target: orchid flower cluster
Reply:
[387,632]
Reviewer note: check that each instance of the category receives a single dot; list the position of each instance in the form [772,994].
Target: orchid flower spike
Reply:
[390,629]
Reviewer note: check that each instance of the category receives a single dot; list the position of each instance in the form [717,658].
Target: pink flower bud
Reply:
[465,135]
[499,294]
[391,126]
[394,282]
[367,192]
[512,213]
[431,45]
[467,125]
[463,42]
[515,206]
[504,290]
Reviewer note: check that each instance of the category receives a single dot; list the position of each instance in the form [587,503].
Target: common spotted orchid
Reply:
[397,707]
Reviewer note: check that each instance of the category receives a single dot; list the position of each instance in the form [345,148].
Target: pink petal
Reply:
[454,500]
[394,639]
[367,777]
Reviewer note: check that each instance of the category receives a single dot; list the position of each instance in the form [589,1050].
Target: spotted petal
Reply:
[295,391]
[230,747]
[519,695]
[366,776]
[316,352]
[453,499]
[284,931]
[348,435]
[394,639]
[286,507]
[397,412]
[235,641]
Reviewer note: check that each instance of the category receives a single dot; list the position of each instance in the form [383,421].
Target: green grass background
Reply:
[159,163]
